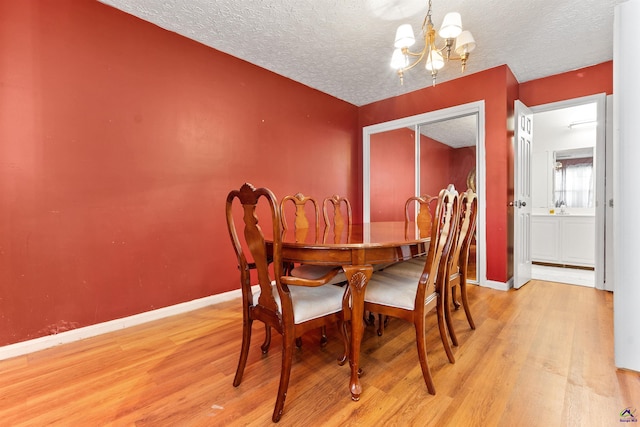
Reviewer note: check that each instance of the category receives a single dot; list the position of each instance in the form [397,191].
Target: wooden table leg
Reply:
[358,277]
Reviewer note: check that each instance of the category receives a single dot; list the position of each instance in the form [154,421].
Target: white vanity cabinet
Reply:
[563,239]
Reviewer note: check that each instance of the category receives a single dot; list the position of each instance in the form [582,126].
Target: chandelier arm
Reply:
[420,55]
[450,57]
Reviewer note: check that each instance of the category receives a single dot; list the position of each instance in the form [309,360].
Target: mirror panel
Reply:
[418,156]
[448,154]
[392,160]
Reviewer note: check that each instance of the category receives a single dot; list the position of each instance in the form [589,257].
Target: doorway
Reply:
[568,169]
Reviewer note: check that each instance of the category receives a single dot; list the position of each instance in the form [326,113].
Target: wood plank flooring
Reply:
[540,356]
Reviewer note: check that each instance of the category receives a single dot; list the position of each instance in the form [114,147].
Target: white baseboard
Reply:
[25,347]
[500,286]
[572,276]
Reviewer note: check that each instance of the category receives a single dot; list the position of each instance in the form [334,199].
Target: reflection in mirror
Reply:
[392,173]
[420,155]
[448,154]
[573,178]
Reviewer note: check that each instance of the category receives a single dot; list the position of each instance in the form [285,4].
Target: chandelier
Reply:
[435,58]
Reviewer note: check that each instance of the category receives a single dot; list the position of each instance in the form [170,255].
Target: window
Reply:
[574,182]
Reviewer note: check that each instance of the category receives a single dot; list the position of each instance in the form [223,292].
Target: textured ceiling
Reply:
[343,47]
[455,132]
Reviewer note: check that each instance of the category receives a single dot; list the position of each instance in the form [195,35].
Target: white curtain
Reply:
[574,185]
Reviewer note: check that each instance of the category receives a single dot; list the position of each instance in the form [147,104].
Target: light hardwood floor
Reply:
[540,356]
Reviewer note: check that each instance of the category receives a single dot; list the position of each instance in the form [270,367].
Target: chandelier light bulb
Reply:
[399,60]
[404,36]
[465,43]
[451,26]
[435,61]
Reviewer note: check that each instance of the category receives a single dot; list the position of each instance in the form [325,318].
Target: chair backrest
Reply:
[466,227]
[419,207]
[463,233]
[254,240]
[442,228]
[337,221]
[301,225]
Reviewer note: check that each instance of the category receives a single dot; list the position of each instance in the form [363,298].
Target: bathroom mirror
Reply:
[573,178]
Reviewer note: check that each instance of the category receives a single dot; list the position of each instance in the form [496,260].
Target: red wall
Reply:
[573,84]
[118,144]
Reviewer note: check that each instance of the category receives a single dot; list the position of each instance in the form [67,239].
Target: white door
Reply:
[522,195]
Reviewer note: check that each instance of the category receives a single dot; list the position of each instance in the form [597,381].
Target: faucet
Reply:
[562,206]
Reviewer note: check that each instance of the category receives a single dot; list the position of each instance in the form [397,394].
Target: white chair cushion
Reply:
[310,302]
[396,286]
[409,268]
[391,290]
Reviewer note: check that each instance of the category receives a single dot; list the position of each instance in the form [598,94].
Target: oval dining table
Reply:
[357,249]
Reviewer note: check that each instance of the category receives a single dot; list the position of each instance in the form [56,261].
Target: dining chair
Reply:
[419,209]
[411,289]
[302,228]
[304,207]
[335,219]
[301,223]
[456,269]
[290,305]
